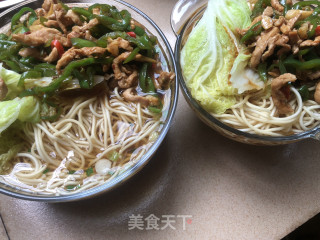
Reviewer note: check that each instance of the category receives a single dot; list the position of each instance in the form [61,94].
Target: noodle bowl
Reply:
[69,158]
[253,118]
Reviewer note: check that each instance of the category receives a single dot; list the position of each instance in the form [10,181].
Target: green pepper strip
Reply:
[13,65]
[21,29]
[83,82]
[58,81]
[105,20]
[251,32]
[28,75]
[300,5]
[102,42]
[304,51]
[155,109]
[150,87]
[19,14]
[83,12]
[80,43]
[115,13]
[143,77]
[3,36]
[282,67]
[105,8]
[308,65]
[286,6]
[138,30]
[304,92]
[259,8]
[64,6]
[132,55]
[262,70]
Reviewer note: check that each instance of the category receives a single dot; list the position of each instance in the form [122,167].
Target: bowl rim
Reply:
[128,173]
[312,133]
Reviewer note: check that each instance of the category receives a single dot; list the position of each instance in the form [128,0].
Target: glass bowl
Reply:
[185,15]
[168,112]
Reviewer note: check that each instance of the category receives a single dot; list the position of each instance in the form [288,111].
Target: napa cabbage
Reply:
[11,79]
[213,61]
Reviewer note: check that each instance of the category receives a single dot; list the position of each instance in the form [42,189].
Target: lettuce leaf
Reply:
[11,79]
[213,54]
[10,144]
[25,109]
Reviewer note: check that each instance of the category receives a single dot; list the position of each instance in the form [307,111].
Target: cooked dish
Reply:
[254,65]
[82,96]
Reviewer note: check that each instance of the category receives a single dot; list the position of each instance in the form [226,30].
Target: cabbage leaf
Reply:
[11,79]
[213,53]
[25,109]
[10,144]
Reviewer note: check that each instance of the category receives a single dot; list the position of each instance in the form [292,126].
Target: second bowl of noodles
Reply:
[245,70]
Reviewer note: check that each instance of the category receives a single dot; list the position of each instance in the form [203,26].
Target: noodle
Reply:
[87,131]
[255,114]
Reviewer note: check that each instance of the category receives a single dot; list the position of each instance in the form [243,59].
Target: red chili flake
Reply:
[132,34]
[318,31]
[58,45]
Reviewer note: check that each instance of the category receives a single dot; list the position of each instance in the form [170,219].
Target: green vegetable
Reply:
[282,67]
[104,8]
[3,36]
[132,55]
[64,6]
[32,74]
[144,44]
[210,53]
[10,144]
[80,43]
[73,187]
[138,30]
[83,12]
[143,77]
[300,5]
[11,79]
[150,85]
[15,19]
[154,109]
[8,47]
[304,92]
[262,69]
[25,109]
[114,156]
[46,171]
[89,171]
[252,32]
[298,65]
[58,81]
[259,7]
[71,171]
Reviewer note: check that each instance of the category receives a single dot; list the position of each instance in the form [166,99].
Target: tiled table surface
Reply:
[232,191]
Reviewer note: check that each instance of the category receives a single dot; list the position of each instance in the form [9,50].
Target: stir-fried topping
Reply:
[284,39]
[80,43]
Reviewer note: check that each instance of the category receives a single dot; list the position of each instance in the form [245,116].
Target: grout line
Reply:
[4,227]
